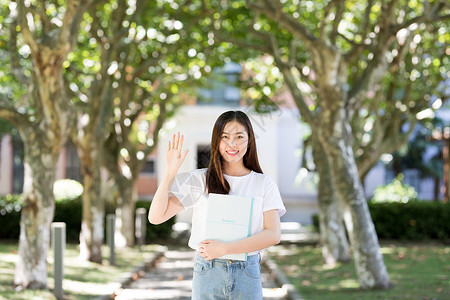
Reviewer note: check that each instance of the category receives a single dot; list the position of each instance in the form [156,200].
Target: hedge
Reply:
[415,220]
[69,212]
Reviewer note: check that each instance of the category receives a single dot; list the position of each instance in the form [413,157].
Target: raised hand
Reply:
[174,157]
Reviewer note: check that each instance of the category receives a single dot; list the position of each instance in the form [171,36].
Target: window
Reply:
[222,86]
[149,167]
[203,156]
[73,170]
[18,171]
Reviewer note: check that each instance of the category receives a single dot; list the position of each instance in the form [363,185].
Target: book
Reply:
[228,219]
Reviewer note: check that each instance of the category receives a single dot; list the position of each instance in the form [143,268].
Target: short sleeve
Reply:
[188,187]
[272,197]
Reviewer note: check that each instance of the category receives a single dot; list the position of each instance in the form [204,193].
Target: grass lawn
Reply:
[82,280]
[417,270]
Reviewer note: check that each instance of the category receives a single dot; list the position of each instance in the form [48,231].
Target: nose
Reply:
[232,142]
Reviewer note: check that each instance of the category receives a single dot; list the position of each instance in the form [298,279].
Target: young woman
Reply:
[233,169]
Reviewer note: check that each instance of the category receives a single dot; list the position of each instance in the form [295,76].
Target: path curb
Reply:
[281,279]
[133,275]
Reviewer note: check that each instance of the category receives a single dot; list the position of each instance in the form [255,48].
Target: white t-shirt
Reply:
[190,189]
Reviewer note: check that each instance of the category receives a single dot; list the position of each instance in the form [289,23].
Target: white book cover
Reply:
[229,219]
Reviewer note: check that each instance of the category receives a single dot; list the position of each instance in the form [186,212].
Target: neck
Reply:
[235,169]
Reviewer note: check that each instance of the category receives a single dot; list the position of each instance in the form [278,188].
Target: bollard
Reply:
[110,230]
[58,245]
[141,225]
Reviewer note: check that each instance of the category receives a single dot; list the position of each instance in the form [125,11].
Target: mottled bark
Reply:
[125,219]
[37,212]
[44,119]
[333,237]
[372,272]
[91,235]
[43,140]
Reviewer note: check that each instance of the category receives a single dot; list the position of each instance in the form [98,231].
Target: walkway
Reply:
[171,278]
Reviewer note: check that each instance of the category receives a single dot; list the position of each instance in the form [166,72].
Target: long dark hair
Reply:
[215,182]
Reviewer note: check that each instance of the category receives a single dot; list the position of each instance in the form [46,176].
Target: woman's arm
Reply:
[269,236]
[164,205]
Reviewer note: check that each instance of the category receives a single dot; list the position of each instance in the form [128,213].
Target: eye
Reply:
[240,137]
[224,136]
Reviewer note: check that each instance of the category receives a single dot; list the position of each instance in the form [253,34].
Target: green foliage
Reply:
[415,220]
[69,211]
[67,190]
[156,232]
[14,54]
[5,128]
[387,105]
[396,191]
[10,206]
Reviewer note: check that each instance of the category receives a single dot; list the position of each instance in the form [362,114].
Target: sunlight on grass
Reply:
[386,250]
[82,279]
[349,283]
[418,271]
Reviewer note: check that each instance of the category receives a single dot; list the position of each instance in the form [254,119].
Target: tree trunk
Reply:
[37,211]
[91,235]
[44,119]
[332,231]
[43,139]
[125,218]
[368,259]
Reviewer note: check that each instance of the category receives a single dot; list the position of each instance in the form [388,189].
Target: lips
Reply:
[232,152]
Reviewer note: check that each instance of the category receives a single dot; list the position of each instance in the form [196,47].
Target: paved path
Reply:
[171,278]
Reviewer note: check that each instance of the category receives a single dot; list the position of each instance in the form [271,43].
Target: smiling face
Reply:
[233,143]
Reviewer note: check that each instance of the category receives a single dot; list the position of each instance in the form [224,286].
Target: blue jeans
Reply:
[219,279]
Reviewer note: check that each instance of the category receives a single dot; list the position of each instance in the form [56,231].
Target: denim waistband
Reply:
[251,260]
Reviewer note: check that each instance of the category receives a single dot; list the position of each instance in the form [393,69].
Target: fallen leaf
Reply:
[306,282]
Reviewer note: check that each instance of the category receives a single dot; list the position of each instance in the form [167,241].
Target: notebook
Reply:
[229,219]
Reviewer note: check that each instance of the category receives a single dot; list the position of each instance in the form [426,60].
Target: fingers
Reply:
[177,141]
[173,141]
[181,139]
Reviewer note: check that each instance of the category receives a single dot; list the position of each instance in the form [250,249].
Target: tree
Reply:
[317,47]
[126,72]
[409,94]
[40,37]
[158,85]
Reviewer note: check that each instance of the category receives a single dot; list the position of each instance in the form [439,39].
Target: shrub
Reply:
[415,220]
[156,232]
[69,211]
[10,206]
[396,191]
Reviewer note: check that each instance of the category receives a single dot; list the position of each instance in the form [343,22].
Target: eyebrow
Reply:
[240,132]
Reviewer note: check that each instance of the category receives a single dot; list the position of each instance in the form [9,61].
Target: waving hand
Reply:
[174,157]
